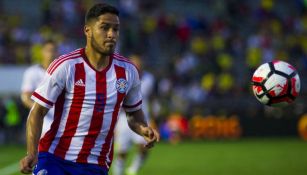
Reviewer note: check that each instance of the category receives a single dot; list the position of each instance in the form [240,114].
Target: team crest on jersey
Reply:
[121,85]
[42,172]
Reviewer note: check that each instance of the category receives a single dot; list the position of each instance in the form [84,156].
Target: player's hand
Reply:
[27,163]
[150,135]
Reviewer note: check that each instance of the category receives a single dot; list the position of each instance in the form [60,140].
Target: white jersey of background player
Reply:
[124,136]
[34,75]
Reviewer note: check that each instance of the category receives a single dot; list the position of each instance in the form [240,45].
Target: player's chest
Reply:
[92,87]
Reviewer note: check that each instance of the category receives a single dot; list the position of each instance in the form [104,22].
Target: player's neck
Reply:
[97,60]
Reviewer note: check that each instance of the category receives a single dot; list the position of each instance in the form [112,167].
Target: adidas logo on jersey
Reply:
[79,83]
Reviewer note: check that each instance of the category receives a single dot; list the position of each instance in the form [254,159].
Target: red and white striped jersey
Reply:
[86,104]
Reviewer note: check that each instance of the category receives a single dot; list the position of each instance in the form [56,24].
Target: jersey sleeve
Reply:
[133,100]
[51,87]
[28,84]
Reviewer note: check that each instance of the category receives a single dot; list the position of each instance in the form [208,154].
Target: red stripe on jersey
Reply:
[63,60]
[97,117]
[119,57]
[56,61]
[124,59]
[46,141]
[74,113]
[60,58]
[120,73]
[133,106]
[42,99]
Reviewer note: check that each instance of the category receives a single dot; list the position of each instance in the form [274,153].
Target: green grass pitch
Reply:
[243,157]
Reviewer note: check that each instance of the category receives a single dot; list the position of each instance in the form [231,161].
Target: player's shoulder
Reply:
[65,60]
[124,62]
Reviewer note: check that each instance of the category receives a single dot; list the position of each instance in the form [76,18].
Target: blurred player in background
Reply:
[87,88]
[34,75]
[124,136]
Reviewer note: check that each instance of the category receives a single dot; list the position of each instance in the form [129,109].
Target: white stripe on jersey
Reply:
[61,128]
[61,59]
[64,116]
[107,118]
[85,119]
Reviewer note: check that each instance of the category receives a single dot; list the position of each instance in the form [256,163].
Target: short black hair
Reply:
[100,9]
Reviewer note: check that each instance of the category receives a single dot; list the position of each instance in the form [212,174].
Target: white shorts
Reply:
[124,136]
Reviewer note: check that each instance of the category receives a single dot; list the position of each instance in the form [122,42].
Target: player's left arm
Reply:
[135,115]
[137,122]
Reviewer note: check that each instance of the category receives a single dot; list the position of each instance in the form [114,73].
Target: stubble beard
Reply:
[99,49]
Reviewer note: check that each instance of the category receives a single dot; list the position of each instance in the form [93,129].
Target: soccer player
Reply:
[34,75]
[124,137]
[87,88]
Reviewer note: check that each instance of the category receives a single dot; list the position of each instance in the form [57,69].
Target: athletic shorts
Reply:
[48,164]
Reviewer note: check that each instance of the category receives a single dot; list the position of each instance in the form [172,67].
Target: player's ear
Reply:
[87,30]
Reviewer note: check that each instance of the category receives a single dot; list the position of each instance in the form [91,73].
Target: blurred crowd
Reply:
[202,53]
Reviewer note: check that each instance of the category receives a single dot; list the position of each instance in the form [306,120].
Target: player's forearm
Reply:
[136,121]
[34,127]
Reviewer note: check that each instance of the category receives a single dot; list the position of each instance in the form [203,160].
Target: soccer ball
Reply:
[276,83]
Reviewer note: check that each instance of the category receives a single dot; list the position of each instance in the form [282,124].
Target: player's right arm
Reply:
[33,133]
[44,96]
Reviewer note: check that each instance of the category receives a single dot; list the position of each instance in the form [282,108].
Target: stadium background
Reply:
[202,54]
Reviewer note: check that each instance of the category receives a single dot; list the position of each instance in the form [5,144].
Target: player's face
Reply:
[48,53]
[105,33]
